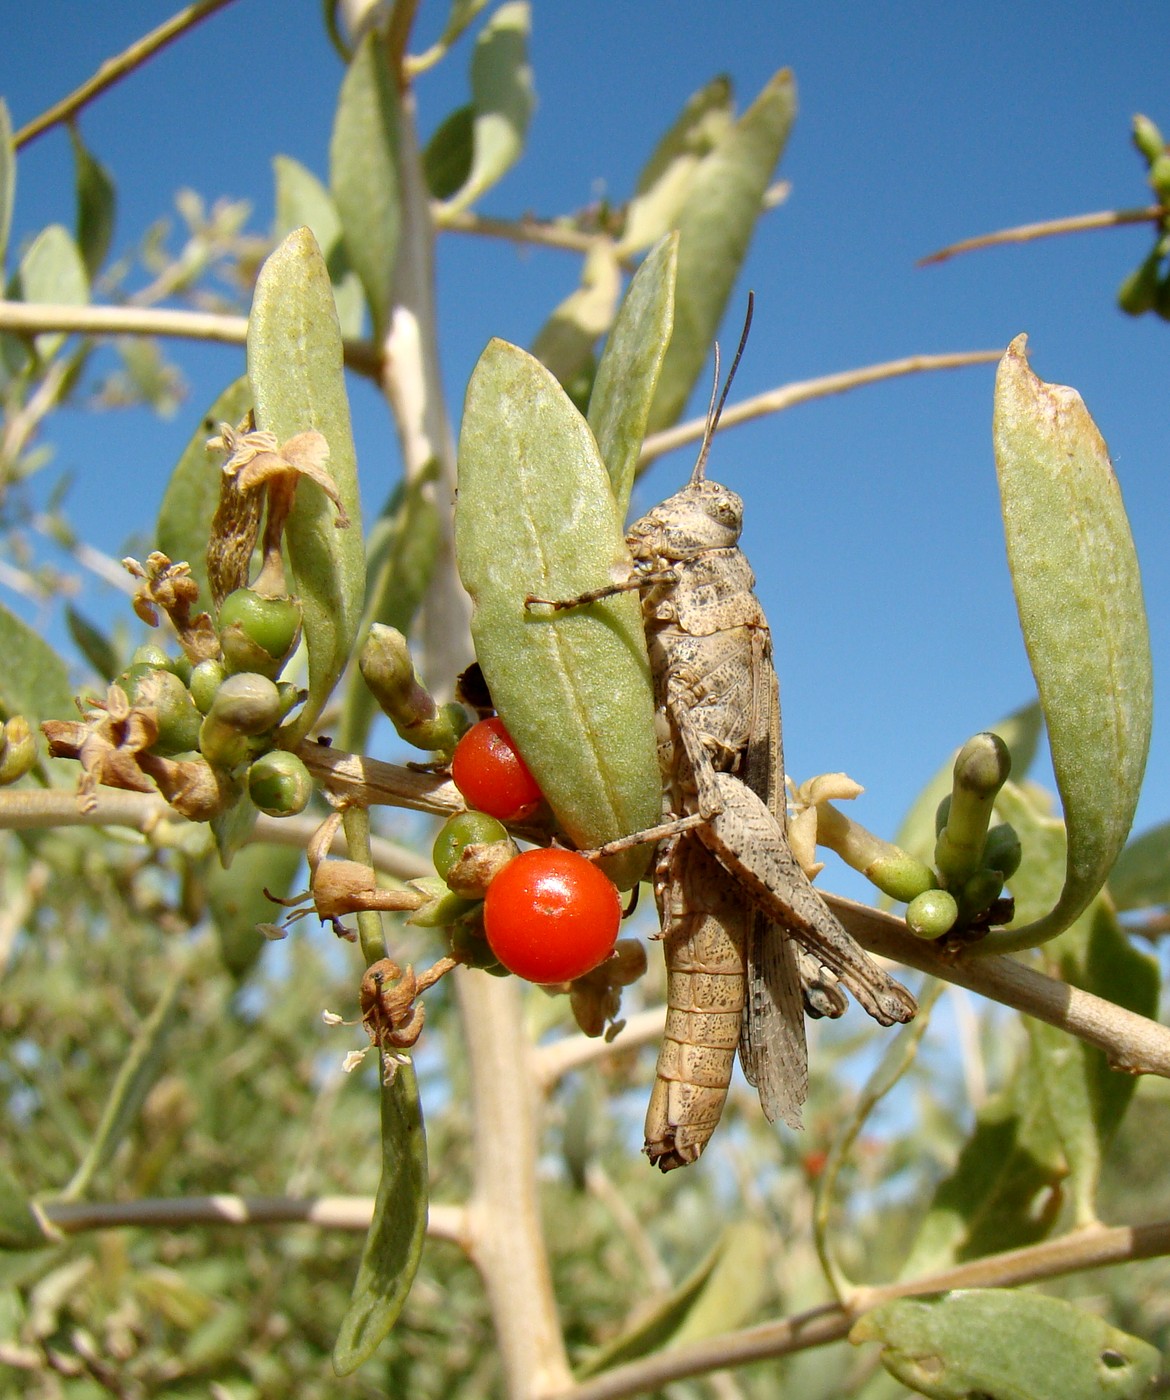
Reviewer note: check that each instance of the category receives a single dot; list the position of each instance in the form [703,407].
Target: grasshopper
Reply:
[744,931]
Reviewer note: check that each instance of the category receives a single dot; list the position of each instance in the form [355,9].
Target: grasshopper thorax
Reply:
[703,515]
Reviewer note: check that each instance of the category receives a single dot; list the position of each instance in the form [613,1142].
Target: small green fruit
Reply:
[279,784]
[463,830]
[932,914]
[258,633]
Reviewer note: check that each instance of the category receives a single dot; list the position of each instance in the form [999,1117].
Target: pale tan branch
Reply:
[1025,233]
[113,70]
[553,1061]
[805,390]
[327,1212]
[1132,1043]
[1084,1249]
[31,318]
[546,233]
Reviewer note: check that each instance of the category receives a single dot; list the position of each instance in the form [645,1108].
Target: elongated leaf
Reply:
[723,1292]
[1079,596]
[1141,877]
[238,903]
[1005,1188]
[715,226]
[665,181]
[627,376]
[502,99]
[189,502]
[34,681]
[1086,1098]
[394,1244]
[302,201]
[19,1226]
[566,340]
[52,270]
[93,644]
[1020,731]
[363,172]
[1007,1344]
[133,1082]
[7,178]
[459,16]
[535,515]
[294,364]
[96,205]
[449,153]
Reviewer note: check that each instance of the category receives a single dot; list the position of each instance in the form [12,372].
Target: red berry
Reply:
[489,772]
[551,916]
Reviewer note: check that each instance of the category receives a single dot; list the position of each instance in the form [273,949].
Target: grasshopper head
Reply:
[702,516]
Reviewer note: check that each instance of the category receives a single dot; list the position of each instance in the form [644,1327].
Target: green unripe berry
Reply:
[178,719]
[279,784]
[206,679]
[258,633]
[1002,850]
[244,707]
[18,750]
[932,914]
[463,830]
[152,655]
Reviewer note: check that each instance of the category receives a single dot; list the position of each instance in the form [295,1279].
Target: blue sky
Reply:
[872,518]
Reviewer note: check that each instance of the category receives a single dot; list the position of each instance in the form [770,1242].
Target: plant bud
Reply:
[932,914]
[1002,850]
[892,870]
[244,706]
[1160,176]
[443,909]
[152,655]
[279,784]
[1138,293]
[1147,138]
[978,894]
[206,679]
[178,719]
[981,769]
[18,750]
[388,671]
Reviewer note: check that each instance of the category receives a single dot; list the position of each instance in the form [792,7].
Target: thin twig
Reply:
[1025,233]
[552,1062]
[114,69]
[803,391]
[1095,1247]
[31,318]
[544,233]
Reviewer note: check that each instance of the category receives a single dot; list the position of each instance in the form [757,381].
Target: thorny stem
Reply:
[1025,233]
[113,70]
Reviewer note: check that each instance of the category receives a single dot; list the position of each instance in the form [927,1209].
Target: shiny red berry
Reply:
[488,770]
[551,916]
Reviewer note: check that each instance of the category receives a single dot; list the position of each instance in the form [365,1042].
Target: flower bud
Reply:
[244,706]
[1002,850]
[206,679]
[388,671]
[1139,292]
[932,914]
[279,784]
[981,769]
[892,870]
[1147,138]
[18,750]
[978,894]
[178,719]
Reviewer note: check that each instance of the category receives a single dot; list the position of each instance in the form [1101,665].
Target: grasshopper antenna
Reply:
[715,410]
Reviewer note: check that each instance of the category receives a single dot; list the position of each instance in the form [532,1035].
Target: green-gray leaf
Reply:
[302,201]
[459,16]
[627,375]
[448,155]
[723,1292]
[295,366]
[96,205]
[715,226]
[19,1226]
[238,903]
[363,172]
[93,644]
[34,681]
[394,1243]
[52,270]
[192,494]
[1141,877]
[566,340]
[501,97]
[666,178]
[535,515]
[1008,1345]
[1079,597]
[7,178]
